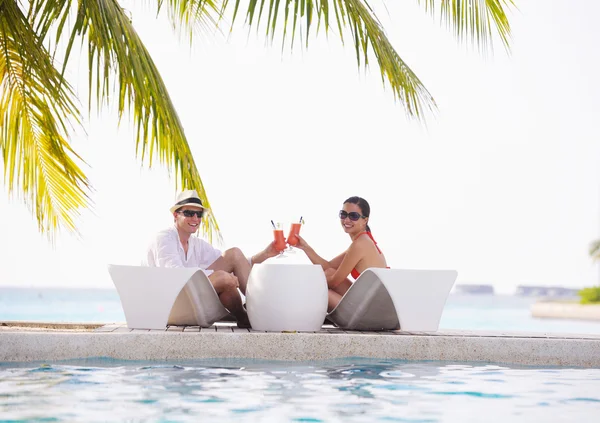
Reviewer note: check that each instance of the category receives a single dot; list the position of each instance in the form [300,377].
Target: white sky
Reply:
[503,185]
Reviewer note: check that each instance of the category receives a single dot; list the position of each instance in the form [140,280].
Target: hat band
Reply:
[188,201]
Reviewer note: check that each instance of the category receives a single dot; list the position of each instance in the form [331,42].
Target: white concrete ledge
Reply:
[565,310]
[118,342]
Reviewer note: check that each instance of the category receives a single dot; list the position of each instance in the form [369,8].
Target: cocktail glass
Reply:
[279,241]
[292,239]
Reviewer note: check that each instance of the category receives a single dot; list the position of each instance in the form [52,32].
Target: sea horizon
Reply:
[455,289]
[498,312]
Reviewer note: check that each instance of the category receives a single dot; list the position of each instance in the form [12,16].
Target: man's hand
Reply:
[270,251]
[267,253]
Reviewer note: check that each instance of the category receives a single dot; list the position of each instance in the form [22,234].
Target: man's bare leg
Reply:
[234,261]
[226,286]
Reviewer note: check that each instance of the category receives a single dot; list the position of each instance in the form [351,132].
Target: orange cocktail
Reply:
[294,230]
[279,239]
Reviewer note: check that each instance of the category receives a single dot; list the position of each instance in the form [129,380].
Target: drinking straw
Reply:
[300,219]
[273,224]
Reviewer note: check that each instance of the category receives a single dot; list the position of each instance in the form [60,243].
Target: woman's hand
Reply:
[302,244]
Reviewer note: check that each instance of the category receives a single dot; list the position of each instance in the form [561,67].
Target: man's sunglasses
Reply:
[191,213]
[354,216]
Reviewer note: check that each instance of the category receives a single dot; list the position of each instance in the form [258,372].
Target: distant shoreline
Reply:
[561,309]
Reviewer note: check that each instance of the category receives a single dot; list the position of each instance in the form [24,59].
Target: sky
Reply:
[502,184]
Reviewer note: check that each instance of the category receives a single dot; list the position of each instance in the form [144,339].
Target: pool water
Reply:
[345,390]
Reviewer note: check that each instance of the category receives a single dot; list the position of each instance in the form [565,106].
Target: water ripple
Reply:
[349,390]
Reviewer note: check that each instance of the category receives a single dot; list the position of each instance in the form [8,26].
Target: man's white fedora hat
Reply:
[188,198]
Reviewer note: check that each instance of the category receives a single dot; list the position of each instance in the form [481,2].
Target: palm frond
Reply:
[46,15]
[595,250]
[119,62]
[36,113]
[474,19]
[191,14]
[299,16]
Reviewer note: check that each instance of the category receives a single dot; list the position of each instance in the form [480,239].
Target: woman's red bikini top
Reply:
[354,272]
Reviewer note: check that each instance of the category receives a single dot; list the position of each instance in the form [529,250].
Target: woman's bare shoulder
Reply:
[361,240]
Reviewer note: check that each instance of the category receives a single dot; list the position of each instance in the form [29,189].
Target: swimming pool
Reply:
[344,390]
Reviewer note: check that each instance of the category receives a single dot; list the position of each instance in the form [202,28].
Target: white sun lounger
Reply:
[391,299]
[154,297]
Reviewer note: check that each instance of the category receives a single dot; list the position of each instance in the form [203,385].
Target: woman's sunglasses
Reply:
[354,216]
[190,213]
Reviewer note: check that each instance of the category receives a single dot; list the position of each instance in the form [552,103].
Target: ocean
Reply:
[462,311]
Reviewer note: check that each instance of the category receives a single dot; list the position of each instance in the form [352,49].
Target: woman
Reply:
[362,253]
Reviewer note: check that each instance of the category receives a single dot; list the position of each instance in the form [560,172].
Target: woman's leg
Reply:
[336,293]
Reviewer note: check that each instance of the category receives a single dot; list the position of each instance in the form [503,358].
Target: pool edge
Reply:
[23,346]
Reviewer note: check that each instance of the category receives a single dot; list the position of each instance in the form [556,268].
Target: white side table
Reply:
[286,297]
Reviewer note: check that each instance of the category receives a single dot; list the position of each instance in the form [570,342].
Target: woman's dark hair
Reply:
[365,209]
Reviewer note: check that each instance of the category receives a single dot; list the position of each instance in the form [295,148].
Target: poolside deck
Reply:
[22,341]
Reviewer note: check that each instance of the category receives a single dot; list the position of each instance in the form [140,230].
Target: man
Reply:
[227,271]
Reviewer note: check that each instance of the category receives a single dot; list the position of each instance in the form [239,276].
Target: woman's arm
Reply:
[351,258]
[315,258]
[335,263]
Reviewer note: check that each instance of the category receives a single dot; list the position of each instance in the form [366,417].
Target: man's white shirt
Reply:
[166,251]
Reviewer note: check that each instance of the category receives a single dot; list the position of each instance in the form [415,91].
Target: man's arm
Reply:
[267,253]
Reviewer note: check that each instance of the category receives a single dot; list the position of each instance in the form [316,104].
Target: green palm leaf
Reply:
[119,62]
[595,250]
[35,109]
[474,19]
[114,44]
[366,32]
[37,103]
[189,14]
